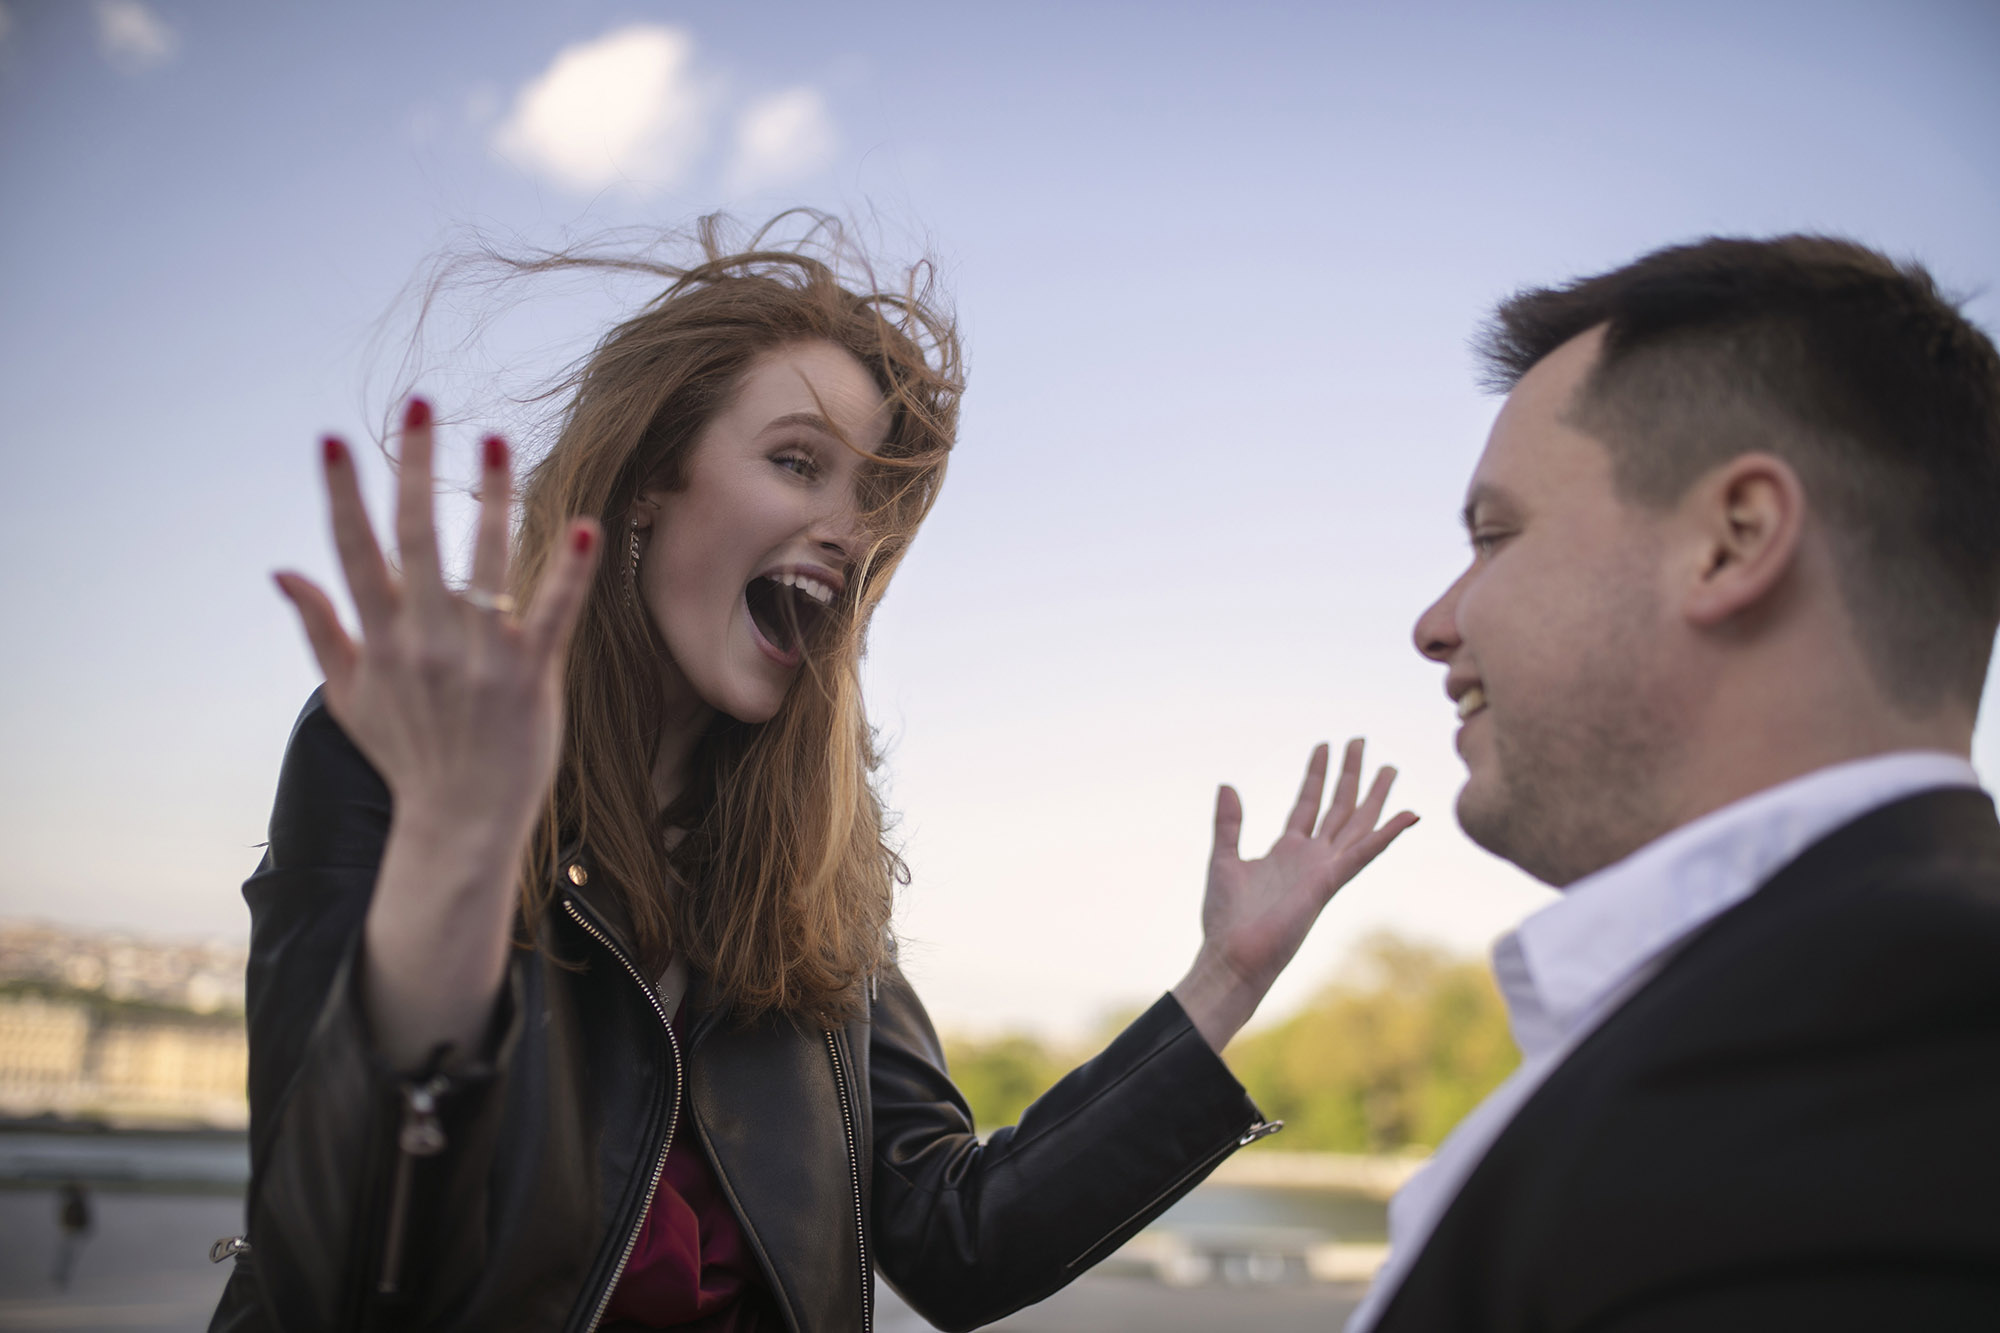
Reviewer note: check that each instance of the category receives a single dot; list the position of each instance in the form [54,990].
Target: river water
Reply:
[220,1163]
[200,1163]
[160,1199]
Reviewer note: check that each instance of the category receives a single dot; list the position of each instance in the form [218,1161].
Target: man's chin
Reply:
[1488,820]
[1478,818]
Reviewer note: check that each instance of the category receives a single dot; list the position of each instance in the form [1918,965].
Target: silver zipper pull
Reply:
[421,1134]
[1263,1129]
[228,1248]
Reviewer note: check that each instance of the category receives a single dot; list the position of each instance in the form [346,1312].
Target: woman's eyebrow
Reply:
[809,419]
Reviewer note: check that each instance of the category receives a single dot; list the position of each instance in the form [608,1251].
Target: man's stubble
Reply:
[1582,770]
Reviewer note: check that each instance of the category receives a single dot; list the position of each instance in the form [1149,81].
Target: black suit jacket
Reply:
[1795,1125]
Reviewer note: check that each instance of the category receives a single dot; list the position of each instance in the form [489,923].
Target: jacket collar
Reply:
[580,881]
[1566,960]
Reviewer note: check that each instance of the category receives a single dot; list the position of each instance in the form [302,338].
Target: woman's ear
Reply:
[1748,516]
[645,508]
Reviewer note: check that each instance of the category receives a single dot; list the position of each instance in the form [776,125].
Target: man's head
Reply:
[1738,518]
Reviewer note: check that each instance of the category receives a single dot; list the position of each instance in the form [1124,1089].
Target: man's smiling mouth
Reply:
[1471,702]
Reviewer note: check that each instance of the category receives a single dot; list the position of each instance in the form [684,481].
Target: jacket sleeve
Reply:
[969,1231]
[355,1167]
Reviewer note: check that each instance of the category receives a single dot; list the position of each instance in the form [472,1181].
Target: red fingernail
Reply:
[332,449]
[496,452]
[582,539]
[417,414]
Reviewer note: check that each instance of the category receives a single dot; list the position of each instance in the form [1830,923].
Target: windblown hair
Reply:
[778,881]
[1852,368]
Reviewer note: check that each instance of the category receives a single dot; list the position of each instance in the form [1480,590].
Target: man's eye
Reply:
[1486,542]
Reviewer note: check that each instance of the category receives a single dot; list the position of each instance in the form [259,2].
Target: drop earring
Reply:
[632,571]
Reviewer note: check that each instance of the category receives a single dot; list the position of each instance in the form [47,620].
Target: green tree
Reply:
[1001,1075]
[1388,1057]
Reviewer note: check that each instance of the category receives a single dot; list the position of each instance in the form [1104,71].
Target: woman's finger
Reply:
[565,582]
[1228,823]
[1344,790]
[1367,849]
[496,499]
[336,652]
[416,521]
[1306,811]
[354,539]
[1362,822]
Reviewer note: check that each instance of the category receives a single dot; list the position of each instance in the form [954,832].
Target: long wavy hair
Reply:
[771,874]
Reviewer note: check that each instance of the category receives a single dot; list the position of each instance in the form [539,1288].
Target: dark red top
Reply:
[692,1268]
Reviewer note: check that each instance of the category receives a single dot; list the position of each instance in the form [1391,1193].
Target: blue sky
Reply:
[1217,267]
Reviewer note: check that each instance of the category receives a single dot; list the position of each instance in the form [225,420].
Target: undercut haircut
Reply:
[1852,368]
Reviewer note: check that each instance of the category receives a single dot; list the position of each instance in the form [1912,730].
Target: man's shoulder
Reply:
[1881,939]
[1890,920]
[1814,1076]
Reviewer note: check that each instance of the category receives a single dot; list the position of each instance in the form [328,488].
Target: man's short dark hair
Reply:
[1852,368]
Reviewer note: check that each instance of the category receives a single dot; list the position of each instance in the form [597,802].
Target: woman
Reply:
[572,998]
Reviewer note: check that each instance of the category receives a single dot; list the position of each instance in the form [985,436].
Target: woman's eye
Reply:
[799,463]
[1485,543]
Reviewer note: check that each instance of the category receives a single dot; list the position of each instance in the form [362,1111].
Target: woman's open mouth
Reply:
[786,613]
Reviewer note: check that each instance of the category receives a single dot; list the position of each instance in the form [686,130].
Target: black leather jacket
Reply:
[504,1190]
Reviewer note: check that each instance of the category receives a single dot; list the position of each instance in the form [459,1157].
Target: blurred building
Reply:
[203,977]
[118,1029]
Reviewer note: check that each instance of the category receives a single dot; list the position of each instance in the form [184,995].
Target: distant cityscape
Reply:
[111,1027]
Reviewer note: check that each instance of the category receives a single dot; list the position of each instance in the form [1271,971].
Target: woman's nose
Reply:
[838,531]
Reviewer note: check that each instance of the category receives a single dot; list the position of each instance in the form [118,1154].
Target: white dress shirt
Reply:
[1572,964]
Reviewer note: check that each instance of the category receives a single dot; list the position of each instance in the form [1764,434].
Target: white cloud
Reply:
[782,138]
[132,37]
[627,108]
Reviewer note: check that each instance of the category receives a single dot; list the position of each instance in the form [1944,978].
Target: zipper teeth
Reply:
[673,1116]
[854,1175]
[1228,1146]
[392,1248]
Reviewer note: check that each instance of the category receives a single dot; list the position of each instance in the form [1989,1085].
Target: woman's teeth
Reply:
[807,584]
[1471,702]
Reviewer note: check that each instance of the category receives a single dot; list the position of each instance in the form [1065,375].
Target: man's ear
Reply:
[1748,517]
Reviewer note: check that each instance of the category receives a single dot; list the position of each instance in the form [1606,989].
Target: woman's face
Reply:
[737,563]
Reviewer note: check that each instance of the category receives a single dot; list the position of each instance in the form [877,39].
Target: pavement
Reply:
[145,1269]
[1102,1303]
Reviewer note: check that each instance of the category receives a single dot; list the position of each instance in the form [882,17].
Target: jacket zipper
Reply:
[854,1176]
[673,1115]
[1258,1129]
[419,1136]
[228,1248]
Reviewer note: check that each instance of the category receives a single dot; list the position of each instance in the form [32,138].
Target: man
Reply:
[1719,650]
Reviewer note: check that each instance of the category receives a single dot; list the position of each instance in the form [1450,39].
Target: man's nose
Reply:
[1436,634]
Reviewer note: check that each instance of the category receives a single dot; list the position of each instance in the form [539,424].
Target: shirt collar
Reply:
[1565,960]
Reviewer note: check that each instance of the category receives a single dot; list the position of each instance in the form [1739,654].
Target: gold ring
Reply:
[483,600]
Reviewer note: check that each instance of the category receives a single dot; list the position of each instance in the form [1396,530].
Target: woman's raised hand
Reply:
[456,699]
[1255,914]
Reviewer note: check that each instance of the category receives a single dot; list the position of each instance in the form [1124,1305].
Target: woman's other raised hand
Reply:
[1256,914]
[456,699]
